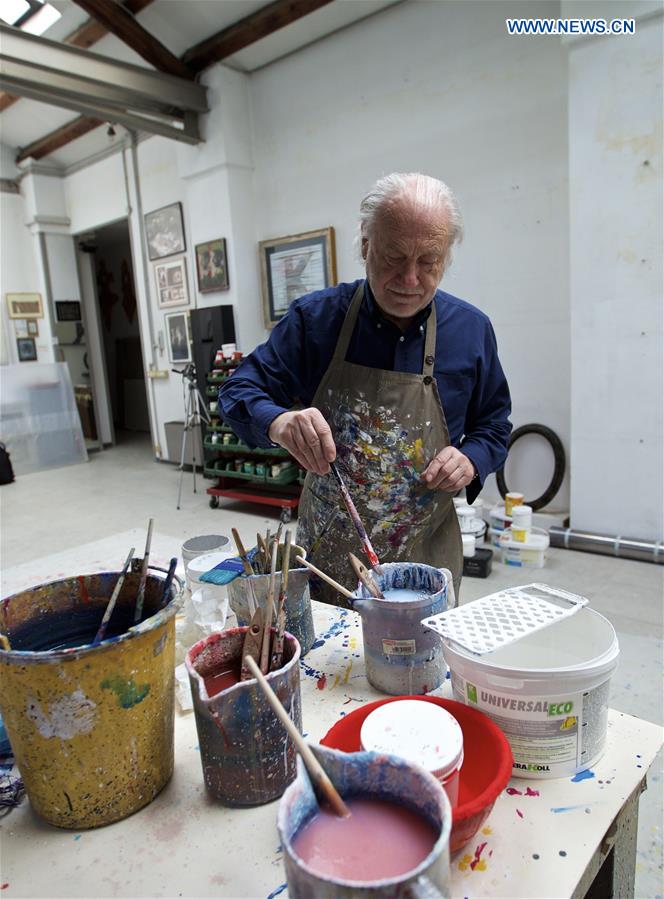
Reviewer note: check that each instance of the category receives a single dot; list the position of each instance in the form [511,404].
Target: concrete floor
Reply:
[119,489]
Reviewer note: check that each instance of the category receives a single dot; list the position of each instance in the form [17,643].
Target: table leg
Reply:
[610,873]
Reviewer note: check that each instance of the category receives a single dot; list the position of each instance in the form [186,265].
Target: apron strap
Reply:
[348,326]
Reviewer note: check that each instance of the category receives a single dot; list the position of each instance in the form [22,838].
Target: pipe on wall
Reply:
[621,547]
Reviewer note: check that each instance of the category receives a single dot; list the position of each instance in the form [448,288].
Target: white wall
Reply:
[440,88]
[616,240]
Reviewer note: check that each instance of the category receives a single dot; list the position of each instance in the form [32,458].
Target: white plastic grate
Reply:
[502,618]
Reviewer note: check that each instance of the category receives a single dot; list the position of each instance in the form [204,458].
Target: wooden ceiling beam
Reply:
[247,31]
[59,138]
[84,37]
[120,22]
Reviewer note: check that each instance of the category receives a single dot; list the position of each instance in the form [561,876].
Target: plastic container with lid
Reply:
[468,544]
[522,522]
[419,732]
[529,553]
[512,500]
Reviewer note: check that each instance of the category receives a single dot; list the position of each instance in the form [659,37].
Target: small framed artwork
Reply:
[27,349]
[211,265]
[178,333]
[33,327]
[67,310]
[21,327]
[25,305]
[172,287]
[294,266]
[165,231]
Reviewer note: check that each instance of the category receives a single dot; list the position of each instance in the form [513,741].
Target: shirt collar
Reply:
[378,317]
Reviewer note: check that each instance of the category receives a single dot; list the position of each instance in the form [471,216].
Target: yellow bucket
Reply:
[91,727]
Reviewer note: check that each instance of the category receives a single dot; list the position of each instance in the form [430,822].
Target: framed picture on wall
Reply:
[67,310]
[33,327]
[178,333]
[24,305]
[172,287]
[212,266]
[293,266]
[27,349]
[165,231]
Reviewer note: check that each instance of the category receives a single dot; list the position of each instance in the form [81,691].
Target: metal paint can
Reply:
[380,777]
[91,726]
[247,756]
[401,656]
[246,592]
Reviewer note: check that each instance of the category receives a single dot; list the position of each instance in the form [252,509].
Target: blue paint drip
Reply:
[278,890]
[583,775]
[565,808]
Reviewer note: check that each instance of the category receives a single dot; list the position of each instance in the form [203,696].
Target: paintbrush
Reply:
[326,577]
[355,518]
[278,641]
[252,643]
[168,580]
[140,596]
[99,636]
[316,771]
[364,575]
[261,554]
[246,564]
[269,606]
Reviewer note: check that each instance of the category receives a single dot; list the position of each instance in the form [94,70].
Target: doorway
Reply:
[108,285]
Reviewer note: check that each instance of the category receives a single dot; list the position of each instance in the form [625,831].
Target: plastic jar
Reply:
[419,732]
[466,516]
[469,544]
[511,501]
[522,522]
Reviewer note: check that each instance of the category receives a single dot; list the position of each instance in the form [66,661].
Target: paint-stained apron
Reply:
[387,427]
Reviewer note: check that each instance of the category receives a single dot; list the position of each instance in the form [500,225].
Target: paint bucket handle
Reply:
[176,579]
[449,581]
[422,888]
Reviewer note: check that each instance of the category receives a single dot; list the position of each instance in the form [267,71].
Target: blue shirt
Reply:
[287,369]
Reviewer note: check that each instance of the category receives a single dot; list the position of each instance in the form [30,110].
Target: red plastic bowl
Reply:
[486,769]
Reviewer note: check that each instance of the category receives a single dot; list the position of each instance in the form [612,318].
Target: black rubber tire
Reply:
[214,502]
[559,466]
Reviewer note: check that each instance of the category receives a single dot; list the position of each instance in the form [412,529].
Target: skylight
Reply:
[33,16]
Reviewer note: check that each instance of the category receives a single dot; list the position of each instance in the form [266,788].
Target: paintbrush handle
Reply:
[314,767]
[168,580]
[140,596]
[355,518]
[269,608]
[325,577]
[99,636]
[242,552]
[364,576]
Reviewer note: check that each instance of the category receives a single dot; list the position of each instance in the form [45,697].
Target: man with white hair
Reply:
[397,381]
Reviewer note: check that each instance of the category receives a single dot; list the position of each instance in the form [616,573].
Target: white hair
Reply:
[421,191]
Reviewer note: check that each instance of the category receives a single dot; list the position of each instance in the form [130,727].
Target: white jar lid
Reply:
[465,512]
[420,732]
[521,514]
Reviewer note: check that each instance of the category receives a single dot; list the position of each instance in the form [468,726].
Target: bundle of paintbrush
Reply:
[264,641]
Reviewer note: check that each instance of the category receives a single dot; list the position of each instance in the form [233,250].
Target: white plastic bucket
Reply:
[555,714]
[528,554]
[206,562]
[198,546]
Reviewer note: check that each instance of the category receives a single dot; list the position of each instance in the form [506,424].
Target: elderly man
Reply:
[398,381]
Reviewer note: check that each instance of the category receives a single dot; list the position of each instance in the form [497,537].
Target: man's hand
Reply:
[307,436]
[450,470]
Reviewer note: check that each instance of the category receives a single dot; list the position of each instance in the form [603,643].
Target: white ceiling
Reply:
[179,25]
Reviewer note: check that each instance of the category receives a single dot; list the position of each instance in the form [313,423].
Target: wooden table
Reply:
[577,837]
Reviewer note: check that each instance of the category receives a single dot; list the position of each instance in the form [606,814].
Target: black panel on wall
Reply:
[210,327]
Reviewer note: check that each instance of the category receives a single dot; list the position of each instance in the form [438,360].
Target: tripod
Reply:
[195,412]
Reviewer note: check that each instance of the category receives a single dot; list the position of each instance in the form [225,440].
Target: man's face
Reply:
[405,260]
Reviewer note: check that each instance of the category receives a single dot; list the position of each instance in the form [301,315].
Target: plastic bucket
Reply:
[198,546]
[91,727]
[528,554]
[554,715]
